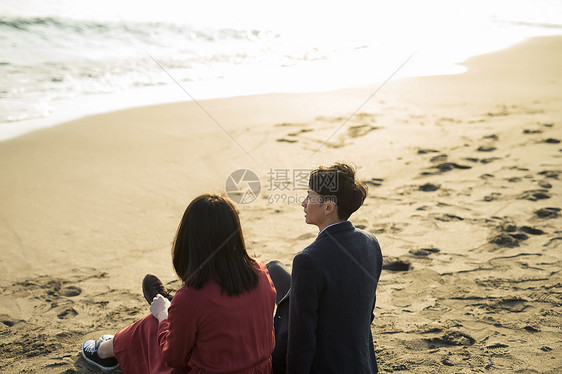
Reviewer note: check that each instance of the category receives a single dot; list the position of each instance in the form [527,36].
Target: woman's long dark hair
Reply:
[209,243]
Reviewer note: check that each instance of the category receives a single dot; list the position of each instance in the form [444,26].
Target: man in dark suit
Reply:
[334,281]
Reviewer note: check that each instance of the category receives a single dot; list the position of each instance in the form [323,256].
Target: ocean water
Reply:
[61,59]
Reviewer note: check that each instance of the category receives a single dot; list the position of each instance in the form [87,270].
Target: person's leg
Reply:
[105,349]
[90,353]
[137,349]
[281,278]
[282,281]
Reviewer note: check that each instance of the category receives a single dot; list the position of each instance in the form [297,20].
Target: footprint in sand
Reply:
[393,228]
[510,235]
[491,137]
[532,329]
[547,212]
[286,124]
[423,252]
[511,228]
[514,179]
[67,313]
[447,166]
[493,196]
[395,264]
[456,359]
[505,240]
[360,130]
[283,140]
[429,187]
[452,338]
[497,346]
[535,195]
[554,174]
[8,321]
[486,148]
[487,160]
[502,111]
[439,158]
[520,236]
[531,230]
[299,132]
[70,291]
[424,151]
[512,304]
[551,141]
[448,218]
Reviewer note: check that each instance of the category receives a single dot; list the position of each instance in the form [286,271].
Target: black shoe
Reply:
[151,286]
[90,354]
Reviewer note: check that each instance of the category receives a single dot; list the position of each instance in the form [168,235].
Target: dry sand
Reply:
[464,177]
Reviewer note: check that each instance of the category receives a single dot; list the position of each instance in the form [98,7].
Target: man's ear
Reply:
[330,207]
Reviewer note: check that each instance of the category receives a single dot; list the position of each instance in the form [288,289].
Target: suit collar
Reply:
[340,226]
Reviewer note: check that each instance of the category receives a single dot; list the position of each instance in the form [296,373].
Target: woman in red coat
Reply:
[220,321]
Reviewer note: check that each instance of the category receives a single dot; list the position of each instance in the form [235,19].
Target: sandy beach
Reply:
[464,197]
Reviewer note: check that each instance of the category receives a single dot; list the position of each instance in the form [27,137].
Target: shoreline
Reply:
[464,197]
[96,104]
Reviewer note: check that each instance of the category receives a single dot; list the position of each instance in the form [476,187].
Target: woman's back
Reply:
[220,333]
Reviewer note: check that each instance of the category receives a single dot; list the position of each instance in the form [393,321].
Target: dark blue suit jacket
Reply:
[332,298]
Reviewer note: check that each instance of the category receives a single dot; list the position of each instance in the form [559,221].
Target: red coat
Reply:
[206,332]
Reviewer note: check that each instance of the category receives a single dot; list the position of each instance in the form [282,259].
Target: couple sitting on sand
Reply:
[220,320]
